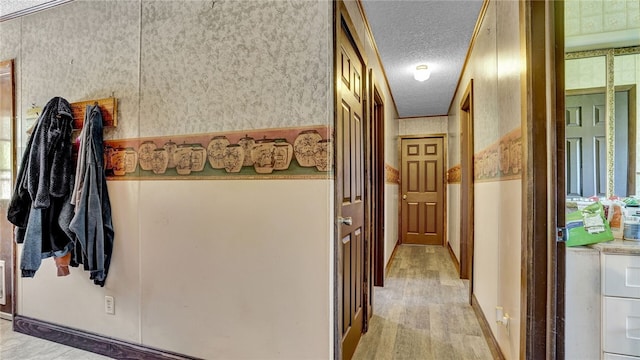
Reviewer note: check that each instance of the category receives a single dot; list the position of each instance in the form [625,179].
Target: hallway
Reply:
[422,312]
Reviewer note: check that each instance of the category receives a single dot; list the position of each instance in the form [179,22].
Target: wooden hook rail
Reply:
[108,106]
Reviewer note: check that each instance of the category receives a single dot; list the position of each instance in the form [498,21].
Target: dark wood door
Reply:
[350,191]
[422,191]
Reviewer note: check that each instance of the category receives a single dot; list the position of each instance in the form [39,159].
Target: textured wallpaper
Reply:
[182,67]
[83,50]
[230,65]
[10,49]
[585,73]
[509,66]
[495,67]
[627,69]
[597,16]
[453,140]
[483,69]
[423,125]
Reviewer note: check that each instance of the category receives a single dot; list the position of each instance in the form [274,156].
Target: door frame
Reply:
[378,180]
[542,261]
[467,183]
[10,268]
[445,148]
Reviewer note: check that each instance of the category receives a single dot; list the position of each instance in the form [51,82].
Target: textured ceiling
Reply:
[436,33]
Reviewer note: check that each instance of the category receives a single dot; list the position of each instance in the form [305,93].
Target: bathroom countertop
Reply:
[617,246]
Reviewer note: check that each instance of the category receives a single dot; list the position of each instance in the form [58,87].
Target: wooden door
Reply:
[423,191]
[350,191]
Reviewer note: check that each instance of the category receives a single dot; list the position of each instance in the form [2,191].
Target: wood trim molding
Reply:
[456,263]
[95,343]
[393,255]
[486,330]
[7,245]
[539,253]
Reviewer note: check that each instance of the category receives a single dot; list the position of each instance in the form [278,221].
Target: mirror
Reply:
[601,119]
[602,71]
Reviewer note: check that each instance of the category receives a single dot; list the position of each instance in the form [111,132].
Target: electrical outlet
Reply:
[502,318]
[109,305]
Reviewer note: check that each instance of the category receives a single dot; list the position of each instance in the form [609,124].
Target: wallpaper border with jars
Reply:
[501,160]
[287,153]
[392,175]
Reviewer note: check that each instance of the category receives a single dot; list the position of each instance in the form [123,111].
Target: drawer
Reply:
[621,326]
[608,356]
[621,275]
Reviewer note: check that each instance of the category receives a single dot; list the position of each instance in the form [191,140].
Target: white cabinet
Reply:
[583,299]
[621,306]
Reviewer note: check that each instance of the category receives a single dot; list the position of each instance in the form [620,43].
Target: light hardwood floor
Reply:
[422,312]
[16,346]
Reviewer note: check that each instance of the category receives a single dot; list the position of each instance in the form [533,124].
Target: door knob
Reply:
[404,197]
[345,220]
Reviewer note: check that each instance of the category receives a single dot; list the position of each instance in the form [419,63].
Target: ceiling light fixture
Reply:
[421,73]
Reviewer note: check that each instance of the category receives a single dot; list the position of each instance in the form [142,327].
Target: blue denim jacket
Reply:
[92,223]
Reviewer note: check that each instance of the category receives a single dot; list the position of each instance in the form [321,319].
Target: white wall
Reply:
[223,269]
[495,66]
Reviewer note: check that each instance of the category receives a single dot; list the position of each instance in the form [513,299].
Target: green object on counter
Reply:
[631,202]
[588,226]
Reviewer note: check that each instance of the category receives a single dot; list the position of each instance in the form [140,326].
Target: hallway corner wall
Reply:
[495,65]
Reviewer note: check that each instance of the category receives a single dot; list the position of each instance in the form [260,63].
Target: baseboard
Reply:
[6,316]
[94,343]
[456,263]
[393,255]
[486,330]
